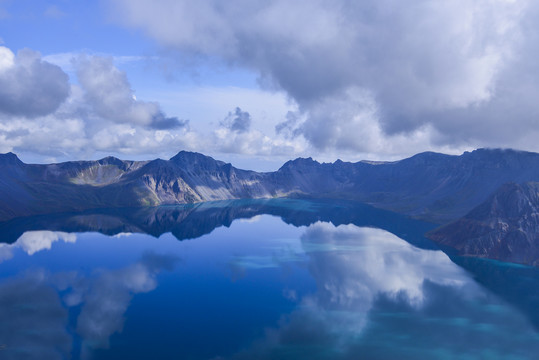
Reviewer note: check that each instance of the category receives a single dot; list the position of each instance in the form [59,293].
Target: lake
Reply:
[254,279]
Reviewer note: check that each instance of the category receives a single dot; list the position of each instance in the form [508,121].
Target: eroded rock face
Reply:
[429,186]
[505,227]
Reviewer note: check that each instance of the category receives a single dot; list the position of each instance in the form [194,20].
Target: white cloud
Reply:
[253,142]
[7,59]
[29,86]
[109,94]
[456,74]
[101,115]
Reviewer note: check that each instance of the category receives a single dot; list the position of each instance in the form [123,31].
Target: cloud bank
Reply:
[365,74]
[99,113]
[42,113]
[382,79]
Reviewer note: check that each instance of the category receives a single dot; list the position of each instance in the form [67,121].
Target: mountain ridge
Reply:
[429,186]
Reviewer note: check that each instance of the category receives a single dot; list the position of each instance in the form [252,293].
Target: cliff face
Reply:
[191,177]
[430,186]
[505,227]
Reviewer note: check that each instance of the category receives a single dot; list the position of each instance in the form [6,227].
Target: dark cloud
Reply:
[237,120]
[445,69]
[289,127]
[29,86]
[161,122]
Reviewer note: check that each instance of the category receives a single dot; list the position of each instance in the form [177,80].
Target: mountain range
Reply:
[429,186]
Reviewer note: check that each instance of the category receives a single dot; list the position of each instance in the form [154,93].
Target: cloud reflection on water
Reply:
[379,297]
[35,318]
[376,296]
[34,241]
[106,296]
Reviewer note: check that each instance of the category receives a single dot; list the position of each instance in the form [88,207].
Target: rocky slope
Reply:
[505,227]
[430,186]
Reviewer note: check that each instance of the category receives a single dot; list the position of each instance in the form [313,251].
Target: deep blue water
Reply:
[277,279]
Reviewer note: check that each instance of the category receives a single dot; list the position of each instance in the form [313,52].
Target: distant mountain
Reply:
[429,186]
[504,227]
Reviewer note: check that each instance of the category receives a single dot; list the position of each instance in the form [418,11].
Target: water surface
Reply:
[277,279]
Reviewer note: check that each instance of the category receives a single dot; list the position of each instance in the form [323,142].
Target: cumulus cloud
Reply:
[234,135]
[100,115]
[29,86]
[447,69]
[252,142]
[109,94]
[237,120]
[75,136]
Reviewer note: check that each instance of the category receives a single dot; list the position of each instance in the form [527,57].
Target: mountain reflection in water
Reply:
[346,281]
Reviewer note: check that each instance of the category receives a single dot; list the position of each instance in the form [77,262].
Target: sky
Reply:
[256,83]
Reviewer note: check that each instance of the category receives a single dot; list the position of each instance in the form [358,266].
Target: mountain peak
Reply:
[111,160]
[188,155]
[427,157]
[300,163]
[190,159]
[10,159]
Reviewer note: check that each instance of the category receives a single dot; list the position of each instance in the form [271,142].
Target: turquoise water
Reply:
[278,279]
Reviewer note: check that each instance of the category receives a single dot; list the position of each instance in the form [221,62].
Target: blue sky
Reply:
[259,82]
